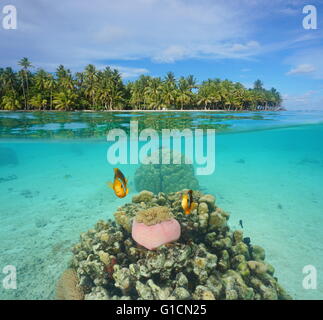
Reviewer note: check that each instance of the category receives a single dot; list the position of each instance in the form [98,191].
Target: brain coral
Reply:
[67,287]
[165,177]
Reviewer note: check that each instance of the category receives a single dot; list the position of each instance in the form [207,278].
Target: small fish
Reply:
[119,185]
[187,202]
[240,222]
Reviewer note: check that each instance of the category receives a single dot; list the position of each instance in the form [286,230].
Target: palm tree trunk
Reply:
[51,99]
[23,92]
[27,90]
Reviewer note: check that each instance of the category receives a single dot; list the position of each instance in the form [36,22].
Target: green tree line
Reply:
[30,89]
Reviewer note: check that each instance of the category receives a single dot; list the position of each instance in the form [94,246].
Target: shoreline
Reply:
[138,110]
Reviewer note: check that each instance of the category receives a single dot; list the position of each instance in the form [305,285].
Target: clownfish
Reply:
[119,185]
[187,202]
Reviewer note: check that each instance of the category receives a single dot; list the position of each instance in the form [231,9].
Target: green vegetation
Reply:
[104,90]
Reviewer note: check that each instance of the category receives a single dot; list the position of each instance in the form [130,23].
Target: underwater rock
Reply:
[122,278]
[217,220]
[257,267]
[181,294]
[235,287]
[158,292]
[143,196]
[209,200]
[258,253]
[238,236]
[123,219]
[207,261]
[203,214]
[8,156]
[144,291]
[98,293]
[203,293]
[166,178]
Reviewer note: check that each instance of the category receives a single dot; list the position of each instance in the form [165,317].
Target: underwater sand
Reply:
[270,179]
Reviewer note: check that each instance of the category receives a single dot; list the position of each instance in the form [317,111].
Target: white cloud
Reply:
[302,68]
[82,32]
[309,100]
[127,72]
[173,53]
[217,51]
[308,62]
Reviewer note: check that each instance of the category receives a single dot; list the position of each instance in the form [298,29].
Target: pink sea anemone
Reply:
[153,236]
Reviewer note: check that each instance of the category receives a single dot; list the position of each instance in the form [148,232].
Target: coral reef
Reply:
[208,261]
[68,286]
[157,177]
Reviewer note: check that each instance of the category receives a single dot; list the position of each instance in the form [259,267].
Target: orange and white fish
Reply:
[119,185]
[188,204]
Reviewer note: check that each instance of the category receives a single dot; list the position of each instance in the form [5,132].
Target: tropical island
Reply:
[100,90]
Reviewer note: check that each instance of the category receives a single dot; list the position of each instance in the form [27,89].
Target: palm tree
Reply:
[153,93]
[65,100]
[204,98]
[8,80]
[184,96]
[170,78]
[10,101]
[25,64]
[258,85]
[38,101]
[50,85]
[105,89]
[90,83]
[168,94]
[191,82]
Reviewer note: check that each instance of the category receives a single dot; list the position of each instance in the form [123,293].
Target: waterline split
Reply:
[199,147]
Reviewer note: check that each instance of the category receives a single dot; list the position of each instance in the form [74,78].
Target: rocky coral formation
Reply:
[68,286]
[157,177]
[209,261]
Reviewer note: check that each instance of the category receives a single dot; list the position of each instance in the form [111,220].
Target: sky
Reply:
[239,40]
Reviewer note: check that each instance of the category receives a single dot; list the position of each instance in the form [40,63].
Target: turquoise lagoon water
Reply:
[53,173]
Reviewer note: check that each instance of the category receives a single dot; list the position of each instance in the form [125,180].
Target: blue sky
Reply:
[241,40]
